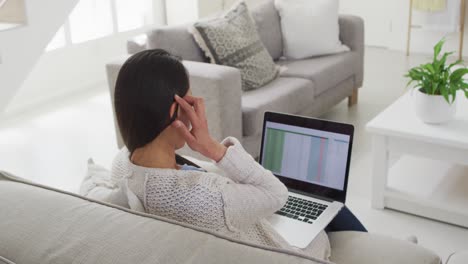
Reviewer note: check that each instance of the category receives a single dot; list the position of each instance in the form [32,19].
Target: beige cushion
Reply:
[43,225]
[288,95]
[325,72]
[366,248]
[268,24]
[177,40]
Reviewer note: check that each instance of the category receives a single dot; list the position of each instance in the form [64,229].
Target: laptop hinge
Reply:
[311,195]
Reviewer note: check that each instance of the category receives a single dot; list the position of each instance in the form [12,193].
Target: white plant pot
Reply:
[433,109]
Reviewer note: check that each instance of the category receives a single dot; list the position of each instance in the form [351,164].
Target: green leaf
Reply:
[444,92]
[440,63]
[453,93]
[458,74]
[438,48]
[434,88]
[429,67]
[466,93]
[415,74]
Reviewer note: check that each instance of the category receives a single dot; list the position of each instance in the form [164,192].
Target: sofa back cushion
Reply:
[268,23]
[44,225]
[177,40]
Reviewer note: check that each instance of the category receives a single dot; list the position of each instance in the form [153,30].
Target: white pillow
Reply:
[98,185]
[310,28]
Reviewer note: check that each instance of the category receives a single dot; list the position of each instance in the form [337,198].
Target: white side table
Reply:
[398,130]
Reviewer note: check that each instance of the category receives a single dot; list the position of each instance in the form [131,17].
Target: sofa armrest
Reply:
[137,43]
[350,247]
[352,31]
[221,88]
[352,35]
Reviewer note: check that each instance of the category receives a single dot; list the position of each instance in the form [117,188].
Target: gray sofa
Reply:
[43,225]
[306,87]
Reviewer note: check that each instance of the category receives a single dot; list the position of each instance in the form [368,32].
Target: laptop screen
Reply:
[307,155]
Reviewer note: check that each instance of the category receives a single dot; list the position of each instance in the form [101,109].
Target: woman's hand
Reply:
[198,138]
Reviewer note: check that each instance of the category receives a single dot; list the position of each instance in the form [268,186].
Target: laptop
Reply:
[312,158]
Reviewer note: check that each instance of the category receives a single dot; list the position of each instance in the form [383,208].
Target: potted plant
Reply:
[436,85]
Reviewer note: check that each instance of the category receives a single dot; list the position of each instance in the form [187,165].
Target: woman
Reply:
[157,115]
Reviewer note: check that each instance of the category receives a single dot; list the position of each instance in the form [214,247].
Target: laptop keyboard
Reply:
[302,210]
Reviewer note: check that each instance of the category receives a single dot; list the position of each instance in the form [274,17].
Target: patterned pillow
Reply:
[233,40]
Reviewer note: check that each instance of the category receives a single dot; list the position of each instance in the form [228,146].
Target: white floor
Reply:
[52,145]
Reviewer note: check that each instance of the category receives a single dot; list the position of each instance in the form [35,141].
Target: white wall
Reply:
[181,11]
[73,69]
[421,41]
[229,3]
[377,19]
[209,7]
[69,70]
[186,11]
[21,47]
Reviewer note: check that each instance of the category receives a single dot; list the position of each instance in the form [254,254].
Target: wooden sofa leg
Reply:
[352,99]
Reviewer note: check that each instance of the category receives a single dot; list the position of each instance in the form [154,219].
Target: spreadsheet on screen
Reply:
[309,155]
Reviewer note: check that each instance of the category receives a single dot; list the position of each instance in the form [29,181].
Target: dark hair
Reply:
[144,91]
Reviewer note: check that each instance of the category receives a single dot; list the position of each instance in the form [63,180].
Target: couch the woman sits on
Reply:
[43,225]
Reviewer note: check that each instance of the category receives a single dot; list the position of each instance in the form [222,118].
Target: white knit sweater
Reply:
[235,204]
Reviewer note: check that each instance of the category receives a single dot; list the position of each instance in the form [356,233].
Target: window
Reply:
[58,41]
[91,19]
[132,14]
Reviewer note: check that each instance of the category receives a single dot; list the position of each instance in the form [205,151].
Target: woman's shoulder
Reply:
[123,168]
[185,178]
